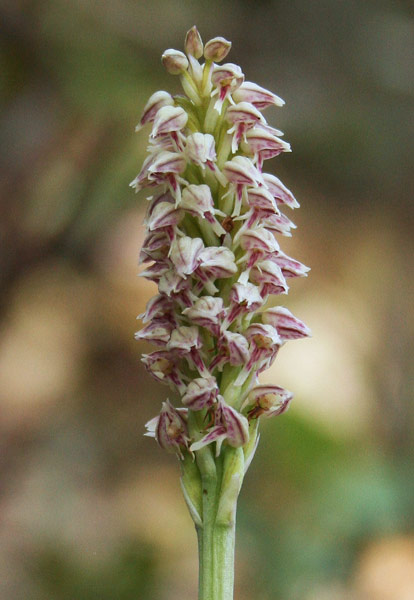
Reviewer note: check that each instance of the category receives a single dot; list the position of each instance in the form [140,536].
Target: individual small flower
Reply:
[243,116]
[158,306]
[201,150]
[207,312]
[155,247]
[185,254]
[163,215]
[158,332]
[263,145]
[169,122]
[267,401]
[186,342]
[290,267]
[279,223]
[157,101]
[198,201]
[230,426]
[185,339]
[232,348]
[164,368]
[200,393]
[170,429]
[241,173]
[225,79]
[269,277]
[244,298]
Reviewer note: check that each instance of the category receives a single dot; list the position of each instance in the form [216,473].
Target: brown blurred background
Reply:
[91,510]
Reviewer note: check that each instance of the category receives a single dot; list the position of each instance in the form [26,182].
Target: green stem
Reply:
[215,543]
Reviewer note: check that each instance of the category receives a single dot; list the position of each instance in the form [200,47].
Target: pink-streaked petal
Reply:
[287,325]
[256,95]
[216,434]
[169,119]
[156,101]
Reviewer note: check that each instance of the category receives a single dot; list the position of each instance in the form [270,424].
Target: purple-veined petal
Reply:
[217,49]
[290,267]
[193,44]
[266,400]
[256,95]
[156,101]
[287,325]
[200,393]
[185,254]
[164,214]
[169,119]
[279,191]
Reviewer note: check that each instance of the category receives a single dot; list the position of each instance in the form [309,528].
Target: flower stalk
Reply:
[213,222]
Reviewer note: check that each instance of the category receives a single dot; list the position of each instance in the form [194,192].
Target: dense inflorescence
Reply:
[211,246]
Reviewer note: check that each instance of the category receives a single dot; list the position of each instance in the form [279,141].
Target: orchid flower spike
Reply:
[212,247]
[216,213]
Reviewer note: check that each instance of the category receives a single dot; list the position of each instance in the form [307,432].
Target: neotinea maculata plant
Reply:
[211,246]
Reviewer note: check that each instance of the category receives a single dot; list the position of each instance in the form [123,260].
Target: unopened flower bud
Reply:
[217,49]
[193,44]
[174,61]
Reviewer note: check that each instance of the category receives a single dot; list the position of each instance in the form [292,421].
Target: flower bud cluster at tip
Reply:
[211,246]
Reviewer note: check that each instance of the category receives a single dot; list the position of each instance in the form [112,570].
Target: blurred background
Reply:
[89,508]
